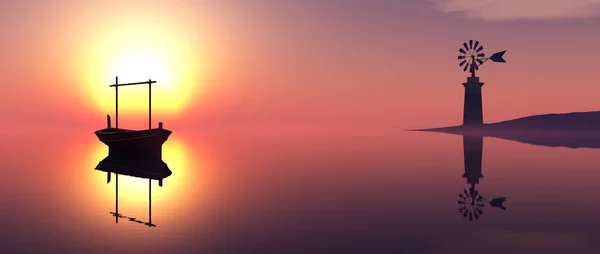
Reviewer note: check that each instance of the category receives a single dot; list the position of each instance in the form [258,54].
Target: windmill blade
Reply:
[466,47]
[476,68]
[462,51]
[476,44]
[497,57]
[479,49]
[479,61]
[470,44]
[481,55]
[462,63]
[461,57]
[465,69]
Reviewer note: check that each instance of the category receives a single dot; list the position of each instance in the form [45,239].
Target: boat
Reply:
[134,152]
[138,143]
[114,137]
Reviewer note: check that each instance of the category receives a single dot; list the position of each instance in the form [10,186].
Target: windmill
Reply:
[471,57]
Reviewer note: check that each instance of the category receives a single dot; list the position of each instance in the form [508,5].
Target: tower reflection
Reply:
[471,202]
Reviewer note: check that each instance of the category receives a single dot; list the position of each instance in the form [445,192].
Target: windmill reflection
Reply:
[471,202]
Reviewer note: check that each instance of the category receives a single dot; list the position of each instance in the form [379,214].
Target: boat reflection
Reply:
[139,174]
[471,202]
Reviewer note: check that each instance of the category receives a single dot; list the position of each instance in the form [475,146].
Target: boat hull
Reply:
[122,137]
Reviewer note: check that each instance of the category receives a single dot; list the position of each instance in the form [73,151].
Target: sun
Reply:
[136,66]
[136,53]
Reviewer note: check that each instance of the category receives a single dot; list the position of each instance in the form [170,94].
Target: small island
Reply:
[574,130]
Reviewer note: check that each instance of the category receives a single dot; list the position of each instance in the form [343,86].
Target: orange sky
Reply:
[300,63]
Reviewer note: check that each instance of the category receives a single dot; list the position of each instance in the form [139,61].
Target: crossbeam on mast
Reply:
[117,85]
[136,83]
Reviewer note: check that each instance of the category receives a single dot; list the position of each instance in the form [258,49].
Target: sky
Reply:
[292,63]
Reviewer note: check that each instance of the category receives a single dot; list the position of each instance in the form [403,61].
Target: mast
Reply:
[117,85]
[149,104]
[116,102]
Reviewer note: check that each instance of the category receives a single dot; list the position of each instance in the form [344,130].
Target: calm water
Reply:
[361,191]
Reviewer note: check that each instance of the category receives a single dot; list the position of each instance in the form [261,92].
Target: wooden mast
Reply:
[116,102]
[117,85]
[149,104]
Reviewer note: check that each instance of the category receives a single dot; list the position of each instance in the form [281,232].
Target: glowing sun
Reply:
[135,53]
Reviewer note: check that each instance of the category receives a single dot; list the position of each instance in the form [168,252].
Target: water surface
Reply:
[292,191]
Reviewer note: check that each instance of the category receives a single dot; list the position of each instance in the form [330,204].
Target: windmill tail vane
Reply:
[498,57]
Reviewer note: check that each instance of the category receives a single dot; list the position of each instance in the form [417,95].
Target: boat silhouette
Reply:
[134,152]
[124,138]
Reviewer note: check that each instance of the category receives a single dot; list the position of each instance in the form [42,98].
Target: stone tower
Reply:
[473,110]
